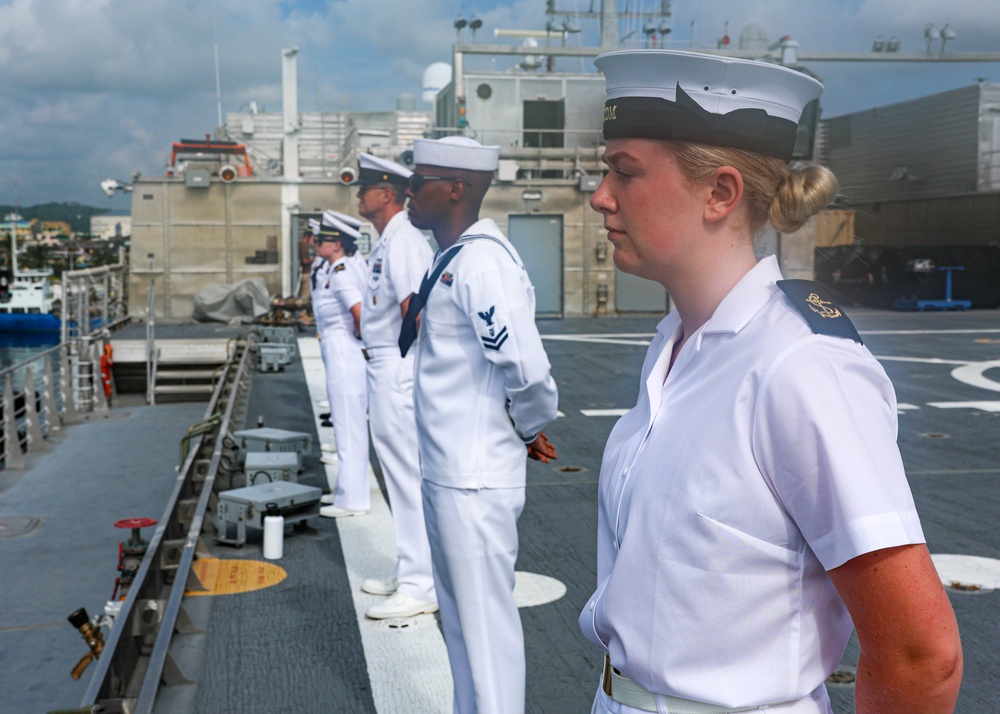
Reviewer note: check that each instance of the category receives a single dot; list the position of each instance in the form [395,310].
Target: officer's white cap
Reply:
[314,225]
[706,99]
[456,152]
[372,169]
[342,217]
[335,228]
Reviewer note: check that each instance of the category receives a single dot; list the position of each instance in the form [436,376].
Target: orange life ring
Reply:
[106,363]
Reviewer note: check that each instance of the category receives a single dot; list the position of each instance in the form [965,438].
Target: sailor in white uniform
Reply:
[753,505]
[317,274]
[396,264]
[483,393]
[338,315]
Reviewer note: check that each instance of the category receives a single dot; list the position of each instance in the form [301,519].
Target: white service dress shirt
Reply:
[480,350]
[339,285]
[397,264]
[765,458]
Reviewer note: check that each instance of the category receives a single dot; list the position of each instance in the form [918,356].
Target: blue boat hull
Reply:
[30,322]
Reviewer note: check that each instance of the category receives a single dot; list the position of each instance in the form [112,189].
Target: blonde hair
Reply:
[787,196]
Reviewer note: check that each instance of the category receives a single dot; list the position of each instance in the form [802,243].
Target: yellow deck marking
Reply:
[227,577]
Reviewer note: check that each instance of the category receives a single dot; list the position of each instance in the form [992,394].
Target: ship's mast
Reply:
[609,24]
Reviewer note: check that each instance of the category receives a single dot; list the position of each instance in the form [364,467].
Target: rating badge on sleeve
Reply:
[495,338]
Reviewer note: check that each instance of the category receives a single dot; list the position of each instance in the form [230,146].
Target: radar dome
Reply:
[435,78]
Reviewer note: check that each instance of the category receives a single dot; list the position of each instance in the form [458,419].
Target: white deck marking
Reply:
[968,570]
[532,589]
[981,406]
[641,340]
[604,412]
[922,360]
[408,667]
[972,373]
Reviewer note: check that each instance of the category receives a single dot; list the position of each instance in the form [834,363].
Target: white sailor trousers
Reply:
[394,434]
[473,537]
[345,389]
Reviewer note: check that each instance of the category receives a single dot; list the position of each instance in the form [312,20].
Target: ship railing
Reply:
[54,388]
[93,297]
[141,664]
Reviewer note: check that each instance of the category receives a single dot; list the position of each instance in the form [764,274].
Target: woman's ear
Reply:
[726,192]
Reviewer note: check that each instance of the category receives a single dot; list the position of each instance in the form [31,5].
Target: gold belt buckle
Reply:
[606,675]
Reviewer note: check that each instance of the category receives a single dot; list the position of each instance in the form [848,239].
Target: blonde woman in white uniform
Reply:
[753,502]
[338,313]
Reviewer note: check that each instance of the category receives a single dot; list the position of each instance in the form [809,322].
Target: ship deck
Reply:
[304,645]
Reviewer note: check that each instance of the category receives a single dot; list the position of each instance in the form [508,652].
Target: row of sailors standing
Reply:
[451,420]
[733,561]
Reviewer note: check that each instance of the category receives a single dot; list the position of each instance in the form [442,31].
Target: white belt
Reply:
[371,353]
[624,691]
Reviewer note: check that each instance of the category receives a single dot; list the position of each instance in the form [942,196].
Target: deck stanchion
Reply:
[12,456]
[49,409]
[70,415]
[32,425]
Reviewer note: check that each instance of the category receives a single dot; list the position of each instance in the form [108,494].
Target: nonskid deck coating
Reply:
[303,649]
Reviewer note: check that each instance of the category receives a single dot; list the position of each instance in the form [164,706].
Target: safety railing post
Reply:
[12,456]
[32,425]
[70,413]
[50,412]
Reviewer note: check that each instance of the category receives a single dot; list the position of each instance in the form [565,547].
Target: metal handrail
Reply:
[59,398]
[130,671]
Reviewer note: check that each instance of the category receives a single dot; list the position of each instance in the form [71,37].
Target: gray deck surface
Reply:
[295,647]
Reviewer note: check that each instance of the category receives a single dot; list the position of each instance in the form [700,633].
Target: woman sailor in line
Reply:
[753,502]
[337,304]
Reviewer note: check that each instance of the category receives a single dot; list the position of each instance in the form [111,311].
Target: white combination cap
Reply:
[372,169]
[342,217]
[314,226]
[335,228]
[687,96]
[456,152]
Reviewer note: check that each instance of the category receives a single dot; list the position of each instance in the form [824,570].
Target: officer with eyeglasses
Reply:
[396,263]
[482,393]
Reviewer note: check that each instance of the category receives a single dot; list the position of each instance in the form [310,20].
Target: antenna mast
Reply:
[218,83]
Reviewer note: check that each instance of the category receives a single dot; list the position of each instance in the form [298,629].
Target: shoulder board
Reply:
[823,316]
[340,267]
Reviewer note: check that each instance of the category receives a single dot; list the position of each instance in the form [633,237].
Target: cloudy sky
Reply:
[91,89]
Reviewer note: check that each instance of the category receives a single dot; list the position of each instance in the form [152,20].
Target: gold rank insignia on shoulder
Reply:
[823,308]
[339,268]
[823,316]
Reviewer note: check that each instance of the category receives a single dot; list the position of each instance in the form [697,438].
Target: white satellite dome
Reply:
[436,77]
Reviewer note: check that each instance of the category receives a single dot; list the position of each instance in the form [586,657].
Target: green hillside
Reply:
[75,214]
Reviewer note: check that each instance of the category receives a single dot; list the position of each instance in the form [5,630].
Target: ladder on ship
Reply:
[169,370]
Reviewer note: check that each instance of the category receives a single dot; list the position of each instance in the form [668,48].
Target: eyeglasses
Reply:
[417,181]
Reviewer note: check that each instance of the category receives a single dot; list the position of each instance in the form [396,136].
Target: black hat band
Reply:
[685,120]
[370,176]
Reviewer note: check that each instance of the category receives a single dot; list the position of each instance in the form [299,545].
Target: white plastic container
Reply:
[274,533]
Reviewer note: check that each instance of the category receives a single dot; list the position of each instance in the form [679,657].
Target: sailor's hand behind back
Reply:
[541,449]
